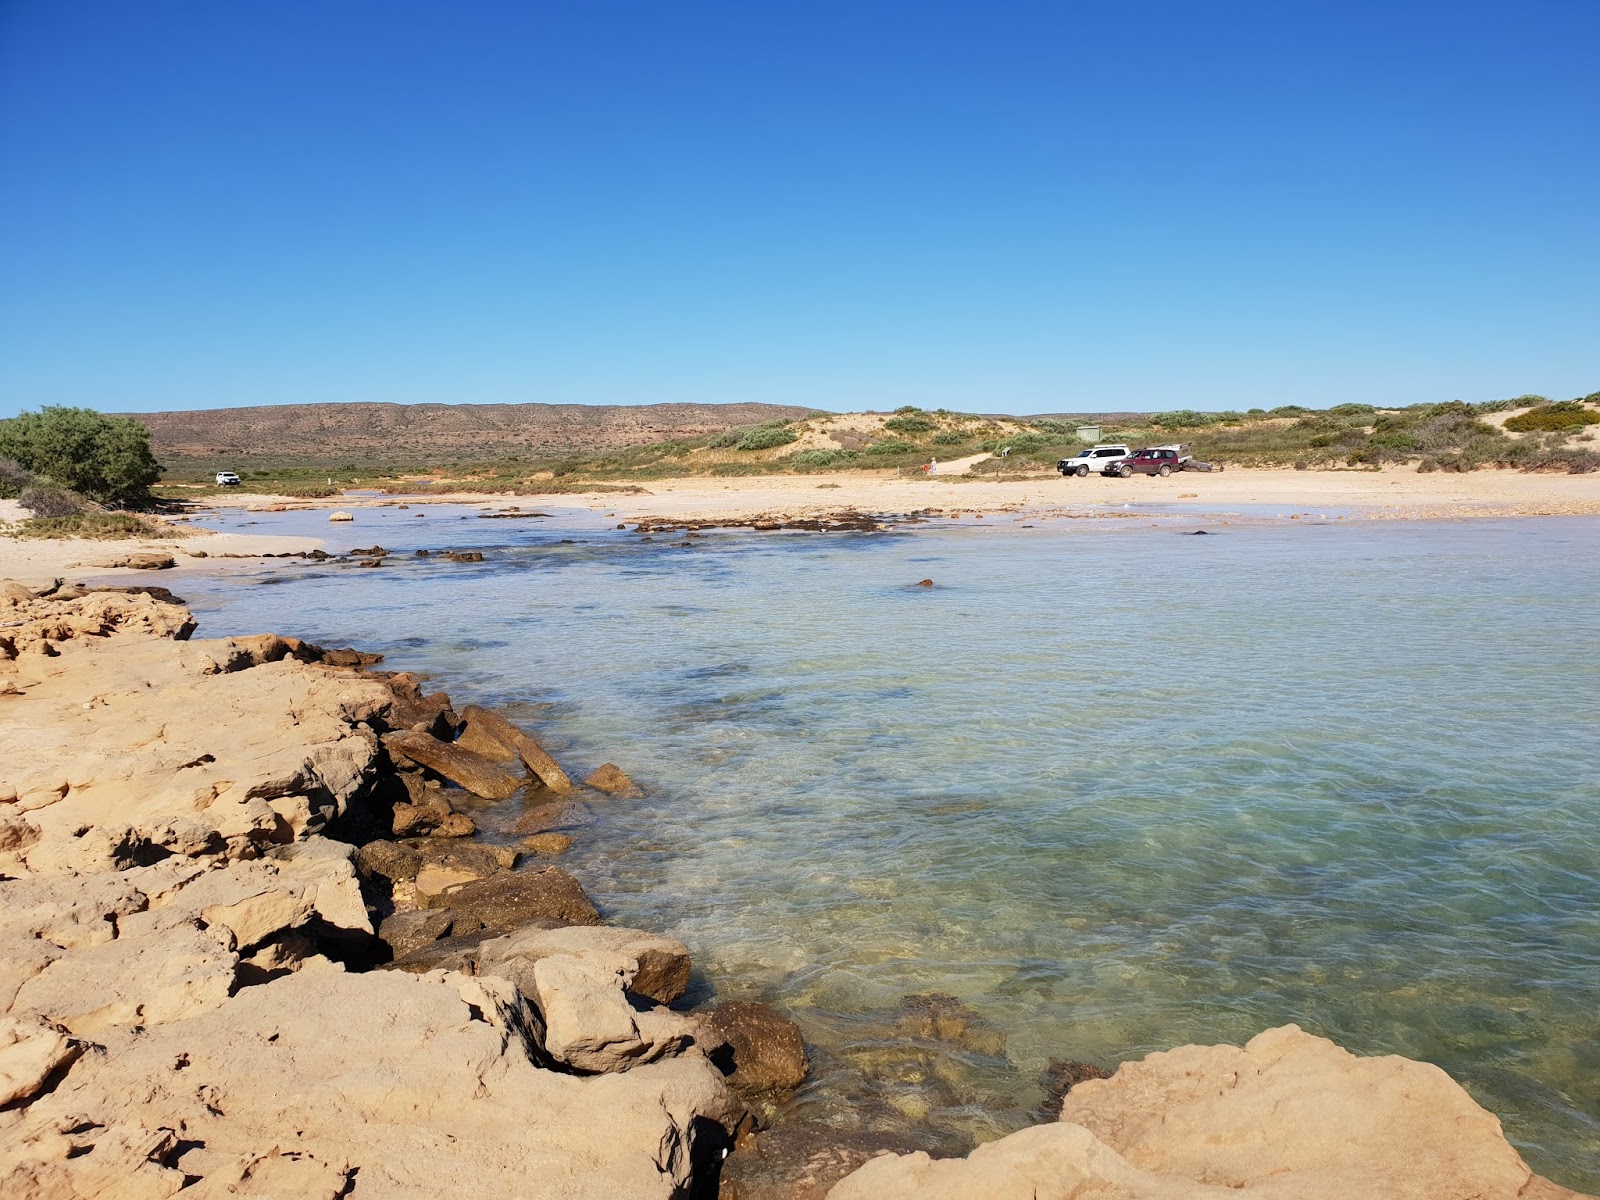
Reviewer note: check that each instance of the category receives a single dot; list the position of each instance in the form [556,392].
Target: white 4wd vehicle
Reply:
[227,479]
[1102,460]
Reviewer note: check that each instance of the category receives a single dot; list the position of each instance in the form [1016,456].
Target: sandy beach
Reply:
[1390,494]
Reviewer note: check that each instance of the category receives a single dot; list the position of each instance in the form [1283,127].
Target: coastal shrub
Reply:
[1183,418]
[1553,418]
[1494,406]
[100,525]
[911,424]
[811,460]
[105,458]
[884,449]
[1288,410]
[767,437]
[948,438]
[906,409]
[47,500]
[726,439]
[1351,410]
[13,478]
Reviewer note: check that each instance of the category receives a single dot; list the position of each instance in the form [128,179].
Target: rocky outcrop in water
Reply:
[1287,1117]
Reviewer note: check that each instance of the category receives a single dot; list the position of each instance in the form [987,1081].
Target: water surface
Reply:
[1112,787]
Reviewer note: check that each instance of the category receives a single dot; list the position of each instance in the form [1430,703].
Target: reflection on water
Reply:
[1106,792]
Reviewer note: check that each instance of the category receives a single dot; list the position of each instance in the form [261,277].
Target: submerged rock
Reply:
[763,1051]
[612,780]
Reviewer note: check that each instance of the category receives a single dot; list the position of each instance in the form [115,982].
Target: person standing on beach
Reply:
[933,466]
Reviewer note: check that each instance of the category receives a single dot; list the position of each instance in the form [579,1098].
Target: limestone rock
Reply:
[1287,1117]
[547,845]
[513,899]
[491,727]
[408,931]
[591,1027]
[766,1049]
[31,1050]
[476,774]
[417,1086]
[146,562]
[341,515]
[657,966]
[611,779]
[388,860]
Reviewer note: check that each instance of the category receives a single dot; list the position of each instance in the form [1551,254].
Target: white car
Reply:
[1102,460]
[227,479]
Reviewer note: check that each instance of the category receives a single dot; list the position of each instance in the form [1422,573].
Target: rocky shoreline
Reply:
[263,933]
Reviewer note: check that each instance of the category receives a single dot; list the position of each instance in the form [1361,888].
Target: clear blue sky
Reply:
[1003,206]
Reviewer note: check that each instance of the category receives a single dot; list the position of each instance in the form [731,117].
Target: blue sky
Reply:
[999,207]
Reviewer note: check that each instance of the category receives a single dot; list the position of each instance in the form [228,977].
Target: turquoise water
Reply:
[1113,788]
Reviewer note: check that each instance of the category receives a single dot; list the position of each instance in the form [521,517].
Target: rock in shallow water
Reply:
[1287,1117]
[763,1048]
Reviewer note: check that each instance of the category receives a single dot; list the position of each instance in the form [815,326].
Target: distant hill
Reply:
[421,434]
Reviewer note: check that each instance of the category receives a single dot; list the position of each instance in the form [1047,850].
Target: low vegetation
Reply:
[1557,418]
[104,526]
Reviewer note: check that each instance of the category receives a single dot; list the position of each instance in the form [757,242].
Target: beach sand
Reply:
[1393,493]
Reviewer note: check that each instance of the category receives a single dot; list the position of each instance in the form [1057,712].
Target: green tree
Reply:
[105,458]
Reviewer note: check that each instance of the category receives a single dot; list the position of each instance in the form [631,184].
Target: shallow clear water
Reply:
[1114,788]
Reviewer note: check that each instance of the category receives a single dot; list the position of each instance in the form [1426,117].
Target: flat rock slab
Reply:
[470,771]
[512,899]
[492,727]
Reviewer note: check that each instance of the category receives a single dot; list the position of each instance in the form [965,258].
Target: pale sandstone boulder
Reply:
[658,966]
[1287,1117]
[589,1024]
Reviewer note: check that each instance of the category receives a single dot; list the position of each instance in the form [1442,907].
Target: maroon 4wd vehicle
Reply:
[1155,461]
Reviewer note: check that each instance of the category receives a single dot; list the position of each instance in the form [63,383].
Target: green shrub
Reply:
[1553,418]
[105,458]
[883,449]
[1183,418]
[906,409]
[1351,410]
[767,437]
[725,439]
[811,460]
[1288,410]
[909,424]
[948,438]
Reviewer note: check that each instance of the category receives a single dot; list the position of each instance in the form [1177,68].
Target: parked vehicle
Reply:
[1155,460]
[227,479]
[1102,460]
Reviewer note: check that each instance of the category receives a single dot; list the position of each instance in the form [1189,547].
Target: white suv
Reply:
[1103,460]
[227,479]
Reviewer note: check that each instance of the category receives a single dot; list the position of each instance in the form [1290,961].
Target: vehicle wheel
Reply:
[1125,472]
[1165,470]
[1083,472]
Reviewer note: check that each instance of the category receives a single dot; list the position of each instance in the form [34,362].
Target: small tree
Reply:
[106,458]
